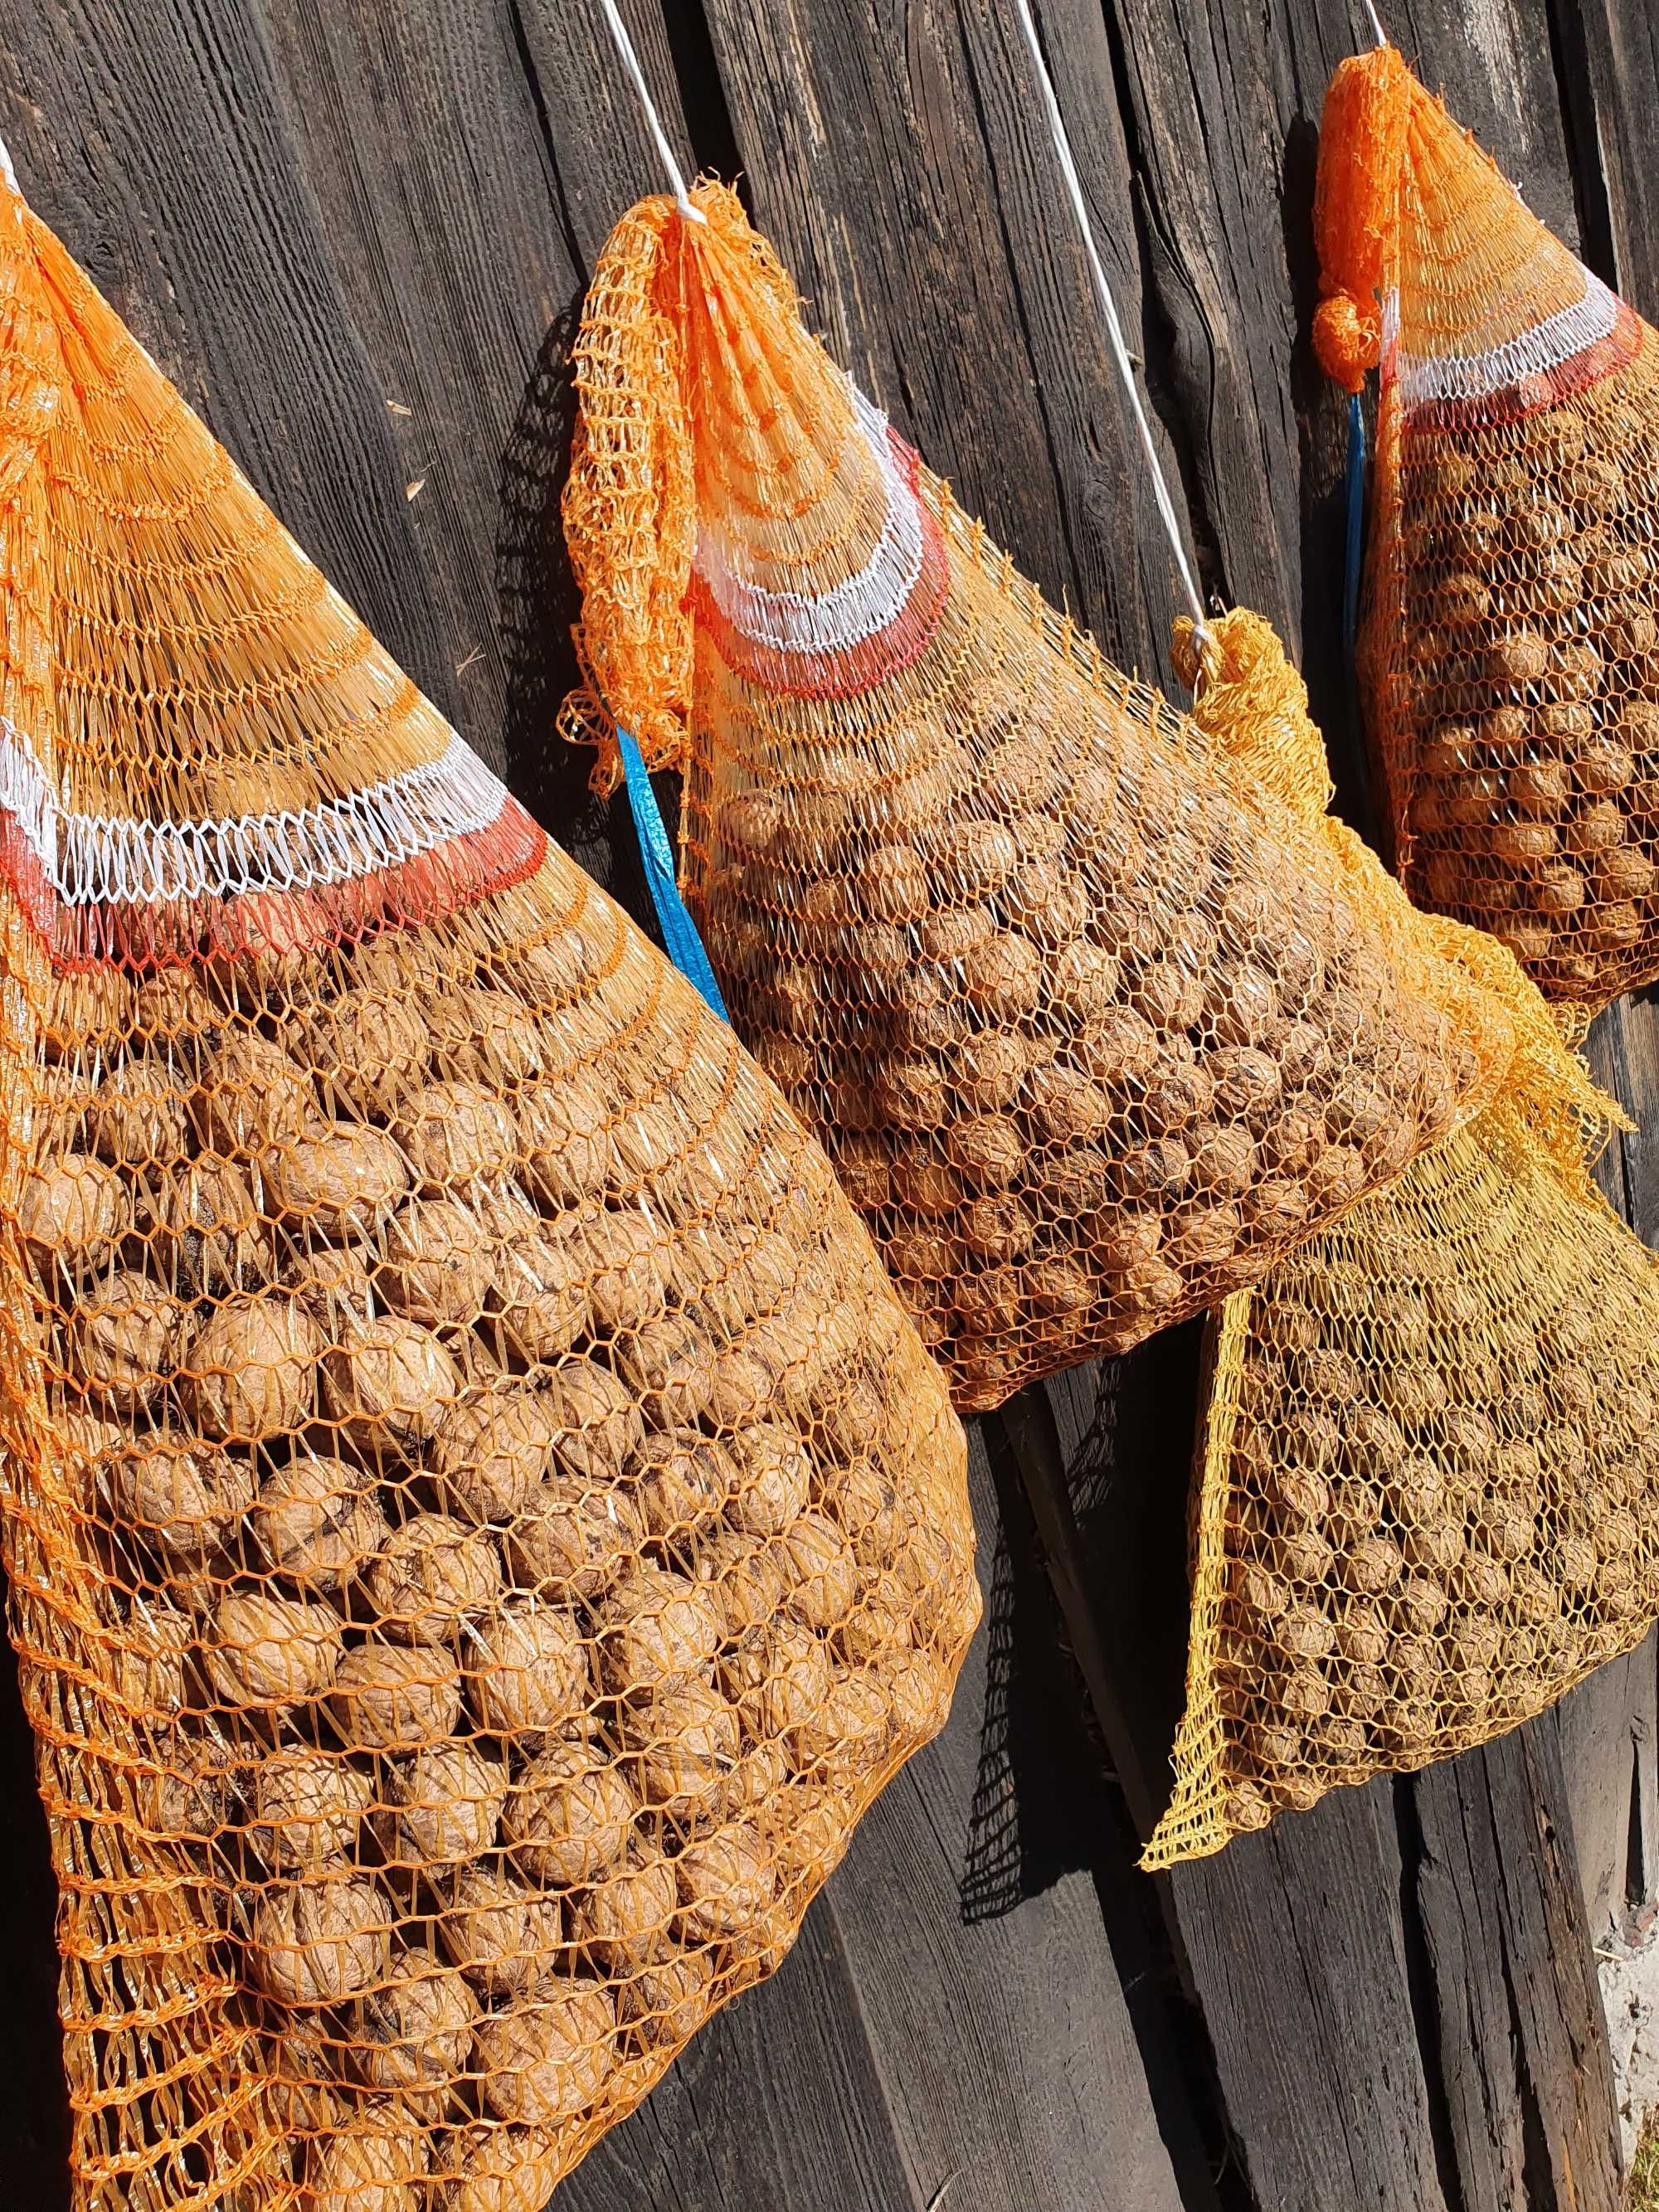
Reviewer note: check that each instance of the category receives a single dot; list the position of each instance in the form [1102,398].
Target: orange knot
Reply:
[1347,337]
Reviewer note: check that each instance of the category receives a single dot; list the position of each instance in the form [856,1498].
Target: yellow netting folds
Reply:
[1426,1499]
[1094,1022]
[1510,651]
[480,1528]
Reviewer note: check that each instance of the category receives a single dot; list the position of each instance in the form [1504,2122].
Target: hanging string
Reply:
[631,60]
[1109,308]
[1377,22]
[1354,544]
[8,174]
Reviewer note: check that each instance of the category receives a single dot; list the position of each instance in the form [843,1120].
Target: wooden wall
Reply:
[357,236]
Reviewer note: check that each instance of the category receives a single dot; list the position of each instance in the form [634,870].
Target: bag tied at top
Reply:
[479,1525]
[1509,655]
[1094,1024]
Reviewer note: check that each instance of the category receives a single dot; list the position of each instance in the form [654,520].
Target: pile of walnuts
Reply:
[532,1530]
[1090,1039]
[1519,683]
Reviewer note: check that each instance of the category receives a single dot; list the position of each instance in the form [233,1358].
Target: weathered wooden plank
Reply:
[1609,1733]
[1006,2047]
[1523,2043]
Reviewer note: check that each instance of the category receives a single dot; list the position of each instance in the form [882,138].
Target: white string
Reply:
[1377,23]
[8,174]
[1108,307]
[624,46]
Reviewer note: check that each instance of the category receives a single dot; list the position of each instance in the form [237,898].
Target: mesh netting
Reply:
[480,1527]
[1426,1499]
[1510,652]
[1094,1022]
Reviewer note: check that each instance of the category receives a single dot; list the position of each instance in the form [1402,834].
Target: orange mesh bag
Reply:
[480,1527]
[1426,1500]
[1509,653]
[1094,1024]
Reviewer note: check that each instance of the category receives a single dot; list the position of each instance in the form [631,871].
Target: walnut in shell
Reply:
[123,1338]
[318,1521]
[547,2059]
[680,1480]
[543,1286]
[438,1263]
[338,1181]
[430,1577]
[368,1047]
[412,2037]
[395,1697]
[687,1741]
[72,1212]
[528,1674]
[744,1576]
[570,1816]
[303,1809]
[447,1798]
[625,1920]
[249,1373]
[655,1625]
[490,1450]
[136,1116]
[321,1938]
[376,2162]
[819,1571]
[773,1479]
[503,1935]
[387,1383]
[455,1132]
[726,1884]
[668,2003]
[571,1539]
[505,2170]
[204,1227]
[252,1096]
[778,1676]
[271,1653]
[182,1496]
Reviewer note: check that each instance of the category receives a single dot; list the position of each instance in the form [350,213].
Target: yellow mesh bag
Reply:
[1093,1021]
[1426,1499]
[480,1528]
[1509,653]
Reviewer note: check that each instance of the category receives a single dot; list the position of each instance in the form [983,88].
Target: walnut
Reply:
[627,1917]
[777,1675]
[600,1427]
[413,2037]
[136,1116]
[367,1046]
[392,1696]
[447,1798]
[203,1223]
[338,1181]
[388,1381]
[149,1656]
[547,2059]
[504,2170]
[726,1884]
[656,1624]
[437,1264]
[668,2003]
[746,1578]
[666,1363]
[72,1212]
[252,1096]
[321,1938]
[184,1496]
[569,1816]
[454,1133]
[318,1521]
[680,1480]
[271,1653]
[848,1733]
[489,1450]
[303,1809]
[124,1337]
[572,1539]
[430,1577]
[528,1674]
[687,1739]
[820,1571]
[250,1369]
[502,1935]
[566,1128]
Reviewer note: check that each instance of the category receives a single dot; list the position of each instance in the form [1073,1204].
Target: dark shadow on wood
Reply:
[34,2119]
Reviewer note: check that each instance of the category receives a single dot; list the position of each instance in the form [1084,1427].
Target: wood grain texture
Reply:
[1609,1736]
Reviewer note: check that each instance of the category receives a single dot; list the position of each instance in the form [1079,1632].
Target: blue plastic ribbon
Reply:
[1356,525]
[678,930]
